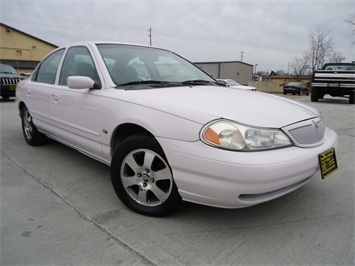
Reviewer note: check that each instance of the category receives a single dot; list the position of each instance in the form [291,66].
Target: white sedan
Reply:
[169,131]
[235,84]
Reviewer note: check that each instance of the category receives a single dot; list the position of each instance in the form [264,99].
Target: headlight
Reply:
[230,135]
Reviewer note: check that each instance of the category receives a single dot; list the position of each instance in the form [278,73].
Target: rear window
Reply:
[339,67]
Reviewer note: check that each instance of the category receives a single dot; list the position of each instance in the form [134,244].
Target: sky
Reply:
[263,32]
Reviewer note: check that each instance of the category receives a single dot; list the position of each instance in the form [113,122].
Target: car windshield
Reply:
[130,65]
[6,69]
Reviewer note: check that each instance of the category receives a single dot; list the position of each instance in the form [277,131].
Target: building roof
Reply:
[223,62]
[12,28]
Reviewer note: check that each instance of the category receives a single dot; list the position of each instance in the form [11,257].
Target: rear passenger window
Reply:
[47,71]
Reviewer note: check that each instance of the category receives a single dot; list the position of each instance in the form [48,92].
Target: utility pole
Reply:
[241,56]
[150,35]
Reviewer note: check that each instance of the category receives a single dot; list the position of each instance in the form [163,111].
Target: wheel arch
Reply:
[126,130]
[20,106]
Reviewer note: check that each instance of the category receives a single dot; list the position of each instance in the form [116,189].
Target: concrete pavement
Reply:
[58,207]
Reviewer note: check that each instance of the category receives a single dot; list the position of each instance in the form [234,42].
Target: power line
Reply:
[241,56]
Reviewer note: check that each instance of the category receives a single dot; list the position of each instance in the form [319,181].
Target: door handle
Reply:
[55,97]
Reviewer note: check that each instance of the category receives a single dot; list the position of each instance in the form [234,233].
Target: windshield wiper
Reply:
[137,82]
[187,82]
[198,82]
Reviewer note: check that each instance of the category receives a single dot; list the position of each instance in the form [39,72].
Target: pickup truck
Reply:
[336,79]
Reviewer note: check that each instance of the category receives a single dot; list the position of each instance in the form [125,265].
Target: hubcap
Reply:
[146,177]
[27,124]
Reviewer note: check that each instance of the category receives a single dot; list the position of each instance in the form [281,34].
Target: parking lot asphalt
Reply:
[58,208]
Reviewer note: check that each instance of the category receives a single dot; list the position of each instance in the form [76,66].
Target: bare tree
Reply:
[321,45]
[280,72]
[300,66]
[263,74]
[336,57]
[321,50]
[351,21]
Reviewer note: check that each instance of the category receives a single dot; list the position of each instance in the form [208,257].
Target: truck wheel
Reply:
[314,95]
[351,97]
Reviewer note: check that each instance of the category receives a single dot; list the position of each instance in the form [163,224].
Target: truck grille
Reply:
[9,81]
[344,79]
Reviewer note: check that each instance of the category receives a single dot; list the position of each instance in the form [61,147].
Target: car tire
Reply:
[314,95]
[142,177]
[31,134]
[351,97]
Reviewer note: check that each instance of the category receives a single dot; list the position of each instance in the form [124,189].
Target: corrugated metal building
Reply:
[239,71]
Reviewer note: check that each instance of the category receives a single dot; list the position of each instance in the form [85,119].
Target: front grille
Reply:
[9,81]
[324,78]
[307,133]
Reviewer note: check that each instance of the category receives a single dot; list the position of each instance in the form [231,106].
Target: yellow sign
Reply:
[328,163]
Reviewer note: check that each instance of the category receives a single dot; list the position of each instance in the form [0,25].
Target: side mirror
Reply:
[81,82]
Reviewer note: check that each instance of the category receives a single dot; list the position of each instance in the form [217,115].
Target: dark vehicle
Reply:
[296,88]
[335,79]
[9,77]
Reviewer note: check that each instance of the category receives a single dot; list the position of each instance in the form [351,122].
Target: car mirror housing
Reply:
[82,82]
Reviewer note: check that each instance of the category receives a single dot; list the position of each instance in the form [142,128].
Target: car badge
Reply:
[315,125]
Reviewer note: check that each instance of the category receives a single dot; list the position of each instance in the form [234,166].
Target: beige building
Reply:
[239,71]
[21,50]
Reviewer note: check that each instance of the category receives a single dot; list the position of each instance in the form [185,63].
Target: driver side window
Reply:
[78,62]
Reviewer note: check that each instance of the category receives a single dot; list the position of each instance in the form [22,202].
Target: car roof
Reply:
[93,43]
[341,64]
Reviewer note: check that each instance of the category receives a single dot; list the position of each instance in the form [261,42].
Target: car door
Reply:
[39,90]
[76,112]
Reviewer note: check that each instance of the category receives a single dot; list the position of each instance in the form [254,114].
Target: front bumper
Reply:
[228,179]
[295,91]
[8,91]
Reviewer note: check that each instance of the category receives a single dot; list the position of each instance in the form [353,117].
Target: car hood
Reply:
[8,75]
[205,103]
